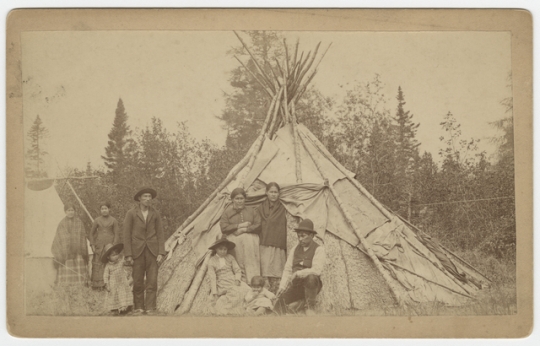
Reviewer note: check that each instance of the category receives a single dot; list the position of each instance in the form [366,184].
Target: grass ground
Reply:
[499,299]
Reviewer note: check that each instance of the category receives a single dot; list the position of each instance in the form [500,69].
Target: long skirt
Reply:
[231,303]
[72,272]
[98,268]
[272,261]
[247,255]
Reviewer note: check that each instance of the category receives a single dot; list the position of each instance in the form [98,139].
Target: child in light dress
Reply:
[259,300]
[117,280]
[227,289]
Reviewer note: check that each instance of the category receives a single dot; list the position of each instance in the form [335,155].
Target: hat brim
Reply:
[105,256]
[305,230]
[229,244]
[143,191]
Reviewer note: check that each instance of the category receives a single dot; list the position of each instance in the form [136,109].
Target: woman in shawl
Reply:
[240,224]
[273,237]
[70,250]
[104,231]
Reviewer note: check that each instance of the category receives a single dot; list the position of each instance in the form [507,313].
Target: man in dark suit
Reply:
[144,247]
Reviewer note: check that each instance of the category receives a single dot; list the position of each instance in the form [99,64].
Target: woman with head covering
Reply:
[240,224]
[273,236]
[70,250]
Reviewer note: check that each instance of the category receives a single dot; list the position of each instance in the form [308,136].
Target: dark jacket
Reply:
[138,234]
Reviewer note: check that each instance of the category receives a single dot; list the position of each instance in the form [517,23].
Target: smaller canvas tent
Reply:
[43,210]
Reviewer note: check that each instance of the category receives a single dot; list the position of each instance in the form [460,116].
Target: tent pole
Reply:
[194,288]
[362,239]
[444,248]
[352,180]
[430,281]
[420,276]
[78,199]
[292,116]
[296,146]
[272,111]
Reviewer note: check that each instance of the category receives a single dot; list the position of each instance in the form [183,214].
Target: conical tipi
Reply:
[373,257]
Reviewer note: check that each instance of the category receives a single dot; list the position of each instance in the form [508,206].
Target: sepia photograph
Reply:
[266,174]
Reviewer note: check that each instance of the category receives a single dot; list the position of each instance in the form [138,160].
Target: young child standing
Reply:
[117,280]
[225,275]
[105,230]
[259,299]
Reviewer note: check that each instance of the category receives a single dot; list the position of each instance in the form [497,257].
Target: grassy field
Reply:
[499,299]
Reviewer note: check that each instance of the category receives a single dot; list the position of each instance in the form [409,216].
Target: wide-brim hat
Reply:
[145,190]
[108,249]
[305,226]
[223,241]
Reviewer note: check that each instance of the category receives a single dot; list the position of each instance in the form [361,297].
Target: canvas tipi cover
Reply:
[373,257]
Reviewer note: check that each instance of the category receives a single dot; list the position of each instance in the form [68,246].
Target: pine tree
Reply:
[118,149]
[36,153]
[407,155]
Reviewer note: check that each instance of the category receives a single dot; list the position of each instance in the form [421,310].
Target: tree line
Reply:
[464,198]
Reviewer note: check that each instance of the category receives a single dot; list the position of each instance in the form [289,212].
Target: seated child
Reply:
[117,280]
[227,289]
[259,299]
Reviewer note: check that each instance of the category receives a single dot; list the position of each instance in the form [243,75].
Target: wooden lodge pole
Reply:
[185,306]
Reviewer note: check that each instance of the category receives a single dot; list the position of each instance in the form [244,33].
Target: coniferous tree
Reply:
[119,144]
[406,155]
[36,152]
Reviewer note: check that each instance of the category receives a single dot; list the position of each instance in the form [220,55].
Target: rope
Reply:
[467,200]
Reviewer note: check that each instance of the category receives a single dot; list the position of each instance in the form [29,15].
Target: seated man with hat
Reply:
[144,248]
[301,281]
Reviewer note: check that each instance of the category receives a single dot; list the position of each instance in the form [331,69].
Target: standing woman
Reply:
[273,238]
[104,231]
[70,250]
[240,224]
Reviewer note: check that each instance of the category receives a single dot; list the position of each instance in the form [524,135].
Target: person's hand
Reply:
[159,258]
[93,247]
[237,282]
[128,260]
[240,231]
[279,292]
[244,224]
[122,309]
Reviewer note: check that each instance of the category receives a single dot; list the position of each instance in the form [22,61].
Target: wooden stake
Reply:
[261,71]
[355,228]
[265,87]
[195,284]
[78,199]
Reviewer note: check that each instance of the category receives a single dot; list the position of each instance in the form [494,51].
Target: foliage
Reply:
[119,145]
[35,154]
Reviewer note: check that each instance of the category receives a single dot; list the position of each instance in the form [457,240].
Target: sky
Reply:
[73,80]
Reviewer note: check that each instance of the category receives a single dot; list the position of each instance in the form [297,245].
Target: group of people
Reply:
[254,251]
[249,268]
